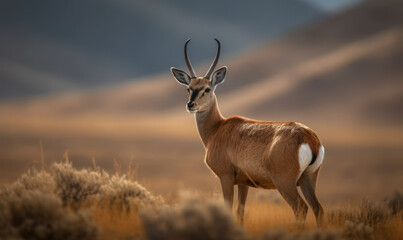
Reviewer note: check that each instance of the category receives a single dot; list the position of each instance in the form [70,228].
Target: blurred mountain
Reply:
[341,76]
[349,63]
[50,46]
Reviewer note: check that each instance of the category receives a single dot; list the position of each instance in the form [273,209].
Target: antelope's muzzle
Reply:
[190,104]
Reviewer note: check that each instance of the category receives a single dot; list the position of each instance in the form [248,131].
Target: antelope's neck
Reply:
[208,122]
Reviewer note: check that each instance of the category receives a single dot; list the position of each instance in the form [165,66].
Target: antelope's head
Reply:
[200,89]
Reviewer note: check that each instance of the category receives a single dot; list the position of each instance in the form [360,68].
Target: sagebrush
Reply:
[62,202]
[57,203]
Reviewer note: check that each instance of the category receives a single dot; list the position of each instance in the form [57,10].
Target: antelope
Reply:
[251,153]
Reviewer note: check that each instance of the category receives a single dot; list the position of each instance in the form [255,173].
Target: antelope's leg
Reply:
[227,184]
[308,184]
[285,177]
[242,194]
[292,197]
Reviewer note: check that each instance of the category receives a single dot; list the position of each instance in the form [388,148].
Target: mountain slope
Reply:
[341,77]
[313,68]
[62,46]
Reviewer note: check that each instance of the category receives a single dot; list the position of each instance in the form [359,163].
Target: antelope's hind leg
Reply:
[290,193]
[284,170]
[308,184]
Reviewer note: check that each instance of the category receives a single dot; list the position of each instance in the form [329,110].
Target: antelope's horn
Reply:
[191,71]
[214,64]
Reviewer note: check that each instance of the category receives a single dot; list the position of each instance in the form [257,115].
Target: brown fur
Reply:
[274,144]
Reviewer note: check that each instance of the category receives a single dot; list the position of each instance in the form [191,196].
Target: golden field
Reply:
[61,202]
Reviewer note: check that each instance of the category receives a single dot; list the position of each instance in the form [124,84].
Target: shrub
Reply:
[38,215]
[372,213]
[369,213]
[34,180]
[125,195]
[395,202]
[357,230]
[192,221]
[280,234]
[75,186]
[338,217]
[39,204]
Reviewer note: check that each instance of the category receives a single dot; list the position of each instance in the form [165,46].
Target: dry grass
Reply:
[65,203]
[115,224]
[261,216]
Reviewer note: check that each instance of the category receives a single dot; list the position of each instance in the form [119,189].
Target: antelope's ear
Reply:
[218,76]
[181,76]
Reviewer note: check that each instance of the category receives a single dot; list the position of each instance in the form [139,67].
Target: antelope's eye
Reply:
[207,90]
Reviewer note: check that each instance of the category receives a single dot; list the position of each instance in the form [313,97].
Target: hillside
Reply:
[58,47]
[342,77]
[351,51]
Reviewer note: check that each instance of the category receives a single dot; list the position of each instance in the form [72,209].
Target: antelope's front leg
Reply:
[242,194]
[227,184]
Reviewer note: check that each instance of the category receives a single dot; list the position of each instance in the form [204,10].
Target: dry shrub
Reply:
[372,213]
[371,220]
[49,204]
[357,230]
[339,216]
[369,213]
[38,215]
[78,187]
[75,186]
[193,220]
[35,180]
[395,202]
[280,234]
[123,194]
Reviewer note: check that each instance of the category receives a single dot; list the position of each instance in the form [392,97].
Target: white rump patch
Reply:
[318,161]
[304,157]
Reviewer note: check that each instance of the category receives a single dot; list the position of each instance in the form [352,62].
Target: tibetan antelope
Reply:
[251,153]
